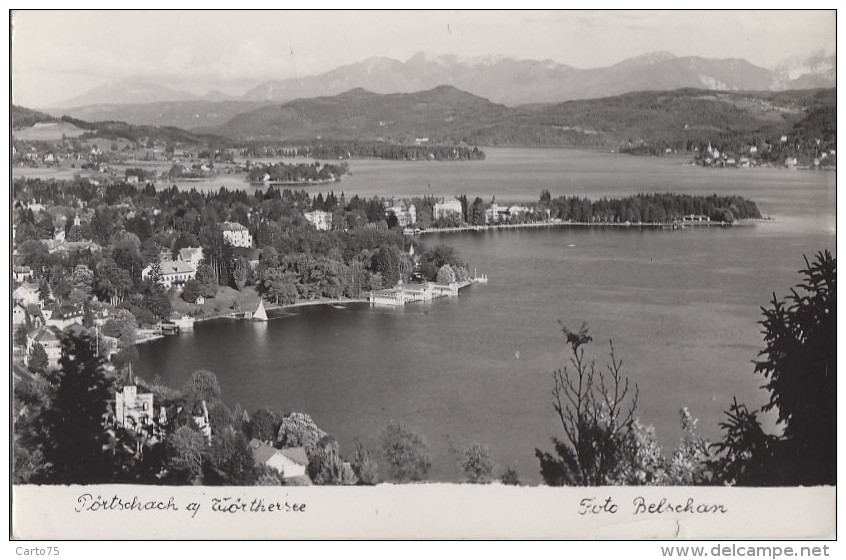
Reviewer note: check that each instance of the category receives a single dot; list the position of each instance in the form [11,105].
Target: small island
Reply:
[296,173]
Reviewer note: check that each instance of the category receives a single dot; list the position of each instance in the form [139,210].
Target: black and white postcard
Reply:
[423,274]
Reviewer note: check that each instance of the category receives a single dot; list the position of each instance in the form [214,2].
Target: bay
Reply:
[681,307]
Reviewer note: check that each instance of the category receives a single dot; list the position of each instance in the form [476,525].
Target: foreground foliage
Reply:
[799,361]
[603,442]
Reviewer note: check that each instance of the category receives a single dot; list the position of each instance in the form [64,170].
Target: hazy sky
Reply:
[58,55]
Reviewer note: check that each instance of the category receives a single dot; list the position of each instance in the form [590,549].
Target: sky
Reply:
[58,55]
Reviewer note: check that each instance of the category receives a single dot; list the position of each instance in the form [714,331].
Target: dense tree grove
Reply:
[350,149]
[344,150]
[133,226]
[652,208]
[297,172]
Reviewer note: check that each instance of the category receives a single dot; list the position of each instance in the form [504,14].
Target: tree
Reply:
[82,279]
[191,291]
[299,430]
[73,424]
[262,425]
[406,451]
[207,279]
[19,334]
[203,385]
[688,465]
[38,359]
[365,468]
[446,275]
[799,360]
[509,476]
[158,303]
[476,212]
[326,467]
[596,411]
[111,282]
[477,464]
[231,460]
[126,354]
[34,253]
[278,285]
[239,273]
[268,476]
[121,325]
[184,452]
[388,261]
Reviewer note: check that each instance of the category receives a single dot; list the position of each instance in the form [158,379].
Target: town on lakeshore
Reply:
[254,271]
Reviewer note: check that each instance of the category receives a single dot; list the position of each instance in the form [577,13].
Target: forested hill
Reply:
[680,119]
[443,114]
[23,117]
[140,133]
[649,121]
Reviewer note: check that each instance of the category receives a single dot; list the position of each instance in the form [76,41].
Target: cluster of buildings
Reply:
[29,154]
[136,409]
[496,214]
[749,156]
[64,242]
[45,323]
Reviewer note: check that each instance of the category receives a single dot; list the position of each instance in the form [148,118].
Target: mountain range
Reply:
[502,80]
[446,115]
[651,121]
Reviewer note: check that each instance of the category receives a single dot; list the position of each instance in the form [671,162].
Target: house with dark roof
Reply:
[63,316]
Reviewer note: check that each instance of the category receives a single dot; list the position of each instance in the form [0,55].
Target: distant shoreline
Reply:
[639,225]
[268,307]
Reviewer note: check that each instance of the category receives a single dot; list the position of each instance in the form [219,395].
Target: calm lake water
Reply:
[681,307]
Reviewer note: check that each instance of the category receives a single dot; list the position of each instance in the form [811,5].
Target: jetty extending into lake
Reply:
[404,294]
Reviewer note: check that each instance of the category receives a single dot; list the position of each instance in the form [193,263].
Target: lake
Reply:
[681,307]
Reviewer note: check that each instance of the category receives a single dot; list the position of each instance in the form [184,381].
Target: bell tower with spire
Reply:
[132,410]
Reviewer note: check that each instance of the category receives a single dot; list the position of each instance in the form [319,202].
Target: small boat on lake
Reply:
[260,314]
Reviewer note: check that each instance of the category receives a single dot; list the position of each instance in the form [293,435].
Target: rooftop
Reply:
[186,253]
[43,334]
[263,452]
[176,267]
[233,226]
